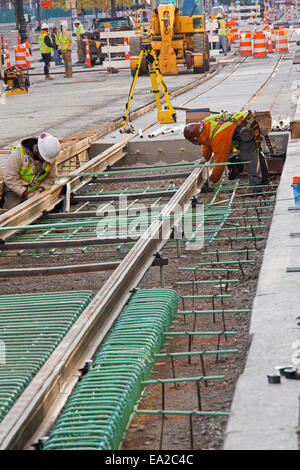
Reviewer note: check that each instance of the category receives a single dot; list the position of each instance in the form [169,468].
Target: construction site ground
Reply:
[263,416]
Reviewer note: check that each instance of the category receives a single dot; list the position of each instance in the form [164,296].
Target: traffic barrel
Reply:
[20,56]
[87,53]
[259,45]
[282,44]
[8,62]
[245,43]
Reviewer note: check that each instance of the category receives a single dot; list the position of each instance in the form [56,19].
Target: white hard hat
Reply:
[76,21]
[63,23]
[48,147]
[45,26]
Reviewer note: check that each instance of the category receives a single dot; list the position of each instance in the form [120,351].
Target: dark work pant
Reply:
[257,167]
[47,59]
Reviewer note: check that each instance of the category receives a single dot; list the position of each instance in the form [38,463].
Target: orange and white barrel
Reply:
[282,44]
[245,43]
[259,45]
[20,56]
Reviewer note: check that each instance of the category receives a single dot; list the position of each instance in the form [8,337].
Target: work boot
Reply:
[47,77]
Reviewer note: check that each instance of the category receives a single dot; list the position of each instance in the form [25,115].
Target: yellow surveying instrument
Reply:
[164,116]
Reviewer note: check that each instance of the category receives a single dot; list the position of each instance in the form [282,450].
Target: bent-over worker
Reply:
[30,170]
[221,134]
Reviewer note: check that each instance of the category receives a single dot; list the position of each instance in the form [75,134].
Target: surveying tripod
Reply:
[164,116]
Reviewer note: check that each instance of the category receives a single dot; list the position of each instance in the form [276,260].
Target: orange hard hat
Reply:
[192,131]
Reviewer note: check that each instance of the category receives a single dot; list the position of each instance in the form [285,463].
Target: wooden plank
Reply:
[4,246]
[69,269]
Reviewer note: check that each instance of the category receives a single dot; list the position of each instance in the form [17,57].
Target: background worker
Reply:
[30,170]
[79,37]
[220,134]
[46,48]
[55,42]
[65,45]
[222,33]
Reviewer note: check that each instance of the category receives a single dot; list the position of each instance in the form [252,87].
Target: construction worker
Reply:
[79,37]
[46,48]
[30,170]
[221,134]
[222,33]
[55,42]
[65,45]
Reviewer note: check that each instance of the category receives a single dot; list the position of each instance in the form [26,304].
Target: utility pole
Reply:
[113,8]
[20,20]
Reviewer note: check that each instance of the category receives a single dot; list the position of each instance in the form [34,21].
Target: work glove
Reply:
[234,171]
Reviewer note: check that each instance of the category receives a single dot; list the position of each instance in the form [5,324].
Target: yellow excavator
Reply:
[177,34]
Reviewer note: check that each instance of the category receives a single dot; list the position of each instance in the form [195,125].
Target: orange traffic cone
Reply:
[87,53]
[19,39]
[126,49]
[28,64]
[8,62]
[270,47]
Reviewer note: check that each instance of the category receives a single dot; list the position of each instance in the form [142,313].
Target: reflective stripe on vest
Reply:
[65,41]
[43,48]
[79,32]
[219,122]
[26,173]
[222,31]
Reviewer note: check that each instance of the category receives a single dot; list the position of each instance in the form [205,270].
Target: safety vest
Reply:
[79,32]
[219,122]
[56,39]
[222,31]
[26,173]
[43,48]
[65,41]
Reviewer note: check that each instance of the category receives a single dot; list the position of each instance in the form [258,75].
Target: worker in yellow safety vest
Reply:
[79,37]
[56,51]
[65,45]
[222,33]
[30,169]
[46,48]
[233,135]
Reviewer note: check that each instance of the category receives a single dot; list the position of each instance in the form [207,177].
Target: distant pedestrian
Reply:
[65,45]
[79,37]
[56,52]
[222,33]
[46,48]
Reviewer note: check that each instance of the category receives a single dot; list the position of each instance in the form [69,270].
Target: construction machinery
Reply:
[177,34]
[16,81]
